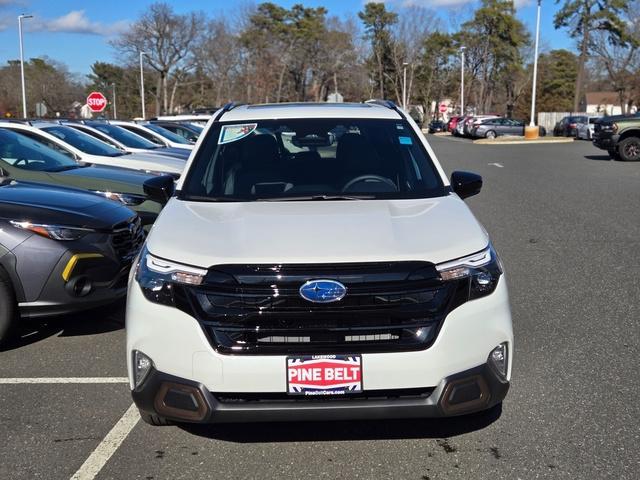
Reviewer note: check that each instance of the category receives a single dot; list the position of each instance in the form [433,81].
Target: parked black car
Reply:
[567,127]
[436,126]
[496,127]
[61,250]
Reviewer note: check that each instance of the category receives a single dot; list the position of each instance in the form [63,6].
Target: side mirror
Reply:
[466,184]
[159,189]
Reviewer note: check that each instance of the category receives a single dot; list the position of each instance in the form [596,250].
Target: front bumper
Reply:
[183,400]
[91,283]
[605,141]
[182,354]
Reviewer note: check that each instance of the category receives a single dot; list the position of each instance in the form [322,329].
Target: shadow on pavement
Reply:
[347,430]
[606,158]
[90,322]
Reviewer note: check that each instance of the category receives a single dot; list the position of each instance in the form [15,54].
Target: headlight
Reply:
[129,199]
[482,269]
[158,277]
[55,232]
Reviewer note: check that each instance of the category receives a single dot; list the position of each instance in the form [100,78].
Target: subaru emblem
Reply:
[323,291]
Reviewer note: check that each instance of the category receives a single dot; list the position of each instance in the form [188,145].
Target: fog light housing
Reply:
[499,359]
[142,365]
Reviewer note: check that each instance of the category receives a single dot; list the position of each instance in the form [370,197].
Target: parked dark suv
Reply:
[61,250]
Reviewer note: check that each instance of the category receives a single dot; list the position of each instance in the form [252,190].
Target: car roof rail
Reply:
[226,108]
[22,121]
[384,103]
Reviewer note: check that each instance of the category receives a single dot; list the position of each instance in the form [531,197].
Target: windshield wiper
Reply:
[303,198]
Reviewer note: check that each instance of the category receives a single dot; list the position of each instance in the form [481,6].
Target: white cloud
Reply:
[77,22]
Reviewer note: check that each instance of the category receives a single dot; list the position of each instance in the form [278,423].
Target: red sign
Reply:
[443,107]
[324,375]
[97,102]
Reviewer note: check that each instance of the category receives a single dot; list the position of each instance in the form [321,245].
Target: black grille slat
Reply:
[127,239]
[257,309]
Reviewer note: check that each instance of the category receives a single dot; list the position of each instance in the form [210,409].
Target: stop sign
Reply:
[96,101]
[443,107]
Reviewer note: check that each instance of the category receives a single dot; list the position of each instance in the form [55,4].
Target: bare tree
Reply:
[621,62]
[166,38]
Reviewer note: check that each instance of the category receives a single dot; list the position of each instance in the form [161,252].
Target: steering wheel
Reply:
[364,178]
[21,161]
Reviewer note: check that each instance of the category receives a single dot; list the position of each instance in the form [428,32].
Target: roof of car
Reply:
[309,110]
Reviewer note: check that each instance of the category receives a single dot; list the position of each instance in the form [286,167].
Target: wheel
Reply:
[490,134]
[629,149]
[154,420]
[8,307]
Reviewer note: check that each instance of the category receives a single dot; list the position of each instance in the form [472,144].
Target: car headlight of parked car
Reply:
[55,232]
[128,199]
[483,269]
[157,277]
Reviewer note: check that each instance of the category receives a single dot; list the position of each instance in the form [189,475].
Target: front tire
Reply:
[8,307]
[629,149]
[490,134]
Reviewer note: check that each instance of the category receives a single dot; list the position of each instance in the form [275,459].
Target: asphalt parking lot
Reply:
[566,221]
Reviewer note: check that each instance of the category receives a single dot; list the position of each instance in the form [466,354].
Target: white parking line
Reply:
[103,452]
[496,164]
[16,381]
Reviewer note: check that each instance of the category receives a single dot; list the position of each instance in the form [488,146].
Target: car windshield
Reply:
[26,154]
[312,159]
[83,142]
[174,137]
[125,137]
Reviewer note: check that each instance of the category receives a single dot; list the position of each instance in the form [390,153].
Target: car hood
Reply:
[162,161]
[38,203]
[172,152]
[103,178]
[205,234]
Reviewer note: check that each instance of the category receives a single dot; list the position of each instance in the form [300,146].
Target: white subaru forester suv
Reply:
[314,262]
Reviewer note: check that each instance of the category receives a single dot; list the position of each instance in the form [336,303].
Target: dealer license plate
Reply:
[324,374]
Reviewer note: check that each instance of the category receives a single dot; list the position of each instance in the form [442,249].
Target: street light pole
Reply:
[404,85]
[24,92]
[144,115]
[115,110]
[462,80]
[535,69]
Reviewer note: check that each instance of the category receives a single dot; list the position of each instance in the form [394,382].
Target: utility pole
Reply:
[144,115]
[115,110]
[535,69]
[24,91]
[404,85]
[462,80]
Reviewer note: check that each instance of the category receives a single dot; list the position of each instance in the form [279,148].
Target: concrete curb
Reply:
[522,141]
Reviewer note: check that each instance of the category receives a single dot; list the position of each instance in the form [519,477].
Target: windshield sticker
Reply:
[233,133]
[405,140]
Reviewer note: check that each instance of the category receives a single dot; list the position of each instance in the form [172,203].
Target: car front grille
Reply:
[258,309]
[127,239]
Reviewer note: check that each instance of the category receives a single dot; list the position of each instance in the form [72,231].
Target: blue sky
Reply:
[77,32]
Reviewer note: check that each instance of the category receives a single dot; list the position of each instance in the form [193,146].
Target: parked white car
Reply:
[316,252]
[125,140]
[85,148]
[155,134]
[584,129]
